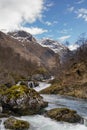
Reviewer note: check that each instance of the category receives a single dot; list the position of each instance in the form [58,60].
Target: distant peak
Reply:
[21,33]
[22,36]
[54,45]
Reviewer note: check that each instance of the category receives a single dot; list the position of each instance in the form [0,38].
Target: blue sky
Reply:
[62,20]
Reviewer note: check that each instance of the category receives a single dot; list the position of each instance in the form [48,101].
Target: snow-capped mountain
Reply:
[25,37]
[55,46]
[22,36]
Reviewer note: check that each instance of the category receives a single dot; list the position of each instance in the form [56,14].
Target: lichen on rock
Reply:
[22,100]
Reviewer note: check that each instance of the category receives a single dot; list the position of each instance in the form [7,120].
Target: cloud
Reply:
[34,30]
[80,1]
[15,13]
[50,4]
[64,38]
[65,31]
[82,13]
[73,47]
[70,9]
[48,23]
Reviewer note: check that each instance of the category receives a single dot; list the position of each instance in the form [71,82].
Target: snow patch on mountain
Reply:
[54,45]
[22,36]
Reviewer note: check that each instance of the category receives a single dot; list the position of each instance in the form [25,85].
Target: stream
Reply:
[39,122]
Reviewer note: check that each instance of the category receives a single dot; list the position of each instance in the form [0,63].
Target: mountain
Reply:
[73,78]
[32,50]
[22,36]
[23,57]
[55,46]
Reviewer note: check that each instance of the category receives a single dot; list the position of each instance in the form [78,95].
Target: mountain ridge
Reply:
[24,58]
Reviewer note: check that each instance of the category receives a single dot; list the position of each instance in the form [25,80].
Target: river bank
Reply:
[39,122]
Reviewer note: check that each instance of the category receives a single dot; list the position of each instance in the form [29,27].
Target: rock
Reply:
[0,109]
[22,100]
[15,124]
[64,114]
[3,115]
[30,84]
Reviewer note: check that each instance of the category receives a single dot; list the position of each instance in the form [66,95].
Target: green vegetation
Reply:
[21,100]
[16,91]
[53,89]
[64,114]
[15,124]
[74,90]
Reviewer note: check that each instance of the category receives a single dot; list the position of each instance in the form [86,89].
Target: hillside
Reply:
[34,51]
[73,78]
[24,57]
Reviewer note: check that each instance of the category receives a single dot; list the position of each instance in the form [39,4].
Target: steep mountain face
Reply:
[23,57]
[33,51]
[22,36]
[55,46]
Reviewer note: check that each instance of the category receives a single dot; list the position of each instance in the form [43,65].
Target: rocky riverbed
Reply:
[17,99]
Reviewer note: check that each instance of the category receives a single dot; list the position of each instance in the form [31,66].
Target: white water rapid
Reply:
[39,122]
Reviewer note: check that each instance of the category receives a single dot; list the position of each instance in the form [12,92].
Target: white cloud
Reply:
[65,31]
[70,9]
[13,13]
[50,4]
[80,1]
[64,38]
[73,47]
[48,23]
[82,13]
[55,22]
[34,30]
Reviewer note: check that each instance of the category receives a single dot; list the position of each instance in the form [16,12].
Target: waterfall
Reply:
[31,84]
[85,122]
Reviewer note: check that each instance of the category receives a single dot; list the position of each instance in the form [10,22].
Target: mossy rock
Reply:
[64,114]
[22,100]
[15,124]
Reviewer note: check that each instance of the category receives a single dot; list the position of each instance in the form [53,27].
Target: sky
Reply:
[62,20]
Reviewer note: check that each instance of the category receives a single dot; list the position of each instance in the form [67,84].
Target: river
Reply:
[39,122]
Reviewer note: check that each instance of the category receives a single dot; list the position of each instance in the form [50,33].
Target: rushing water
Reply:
[39,122]
[57,101]
[42,85]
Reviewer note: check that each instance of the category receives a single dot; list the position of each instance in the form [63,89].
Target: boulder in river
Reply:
[64,114]
[22,100]
[15,124]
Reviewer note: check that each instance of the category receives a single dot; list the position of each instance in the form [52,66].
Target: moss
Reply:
[22,100]
[74,90]
[64,114]
[53,89]
[15,124]
[16,91]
